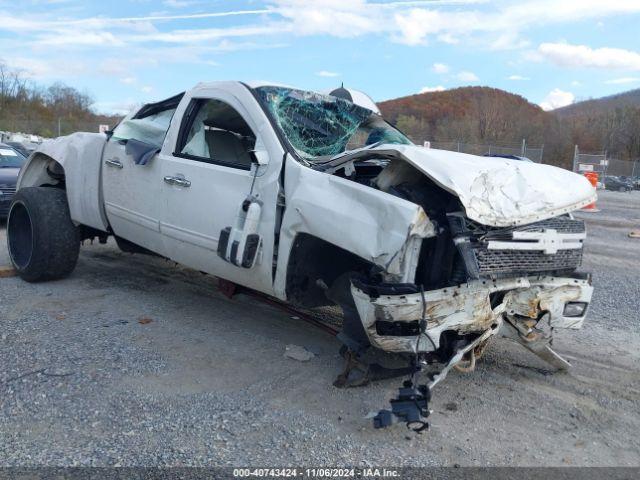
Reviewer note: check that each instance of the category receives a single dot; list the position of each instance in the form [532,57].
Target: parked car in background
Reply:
[634,181]
[24,150]
[617,184]
[10,163]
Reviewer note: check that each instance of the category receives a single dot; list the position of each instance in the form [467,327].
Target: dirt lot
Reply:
[135,361]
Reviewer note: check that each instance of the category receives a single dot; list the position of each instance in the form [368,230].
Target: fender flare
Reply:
[79,155]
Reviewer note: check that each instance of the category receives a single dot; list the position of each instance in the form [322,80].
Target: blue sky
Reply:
[552,52]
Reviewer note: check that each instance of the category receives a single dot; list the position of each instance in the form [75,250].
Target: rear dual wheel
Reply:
[44,244]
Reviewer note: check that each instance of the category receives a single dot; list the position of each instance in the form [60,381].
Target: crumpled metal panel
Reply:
[80,154]
[550,294]
[467,309]
[374,225]
[494,191]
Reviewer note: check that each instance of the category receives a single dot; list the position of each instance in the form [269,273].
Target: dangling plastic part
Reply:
[410,406]
[412,403]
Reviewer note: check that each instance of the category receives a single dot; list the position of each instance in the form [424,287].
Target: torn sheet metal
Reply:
[350,216]
[467,308]
[459,355]
[80,154]
[494,191]
[550,294]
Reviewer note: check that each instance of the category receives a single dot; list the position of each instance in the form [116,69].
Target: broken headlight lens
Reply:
[575,309]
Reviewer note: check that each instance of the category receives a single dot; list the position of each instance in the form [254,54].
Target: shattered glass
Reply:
[320,126]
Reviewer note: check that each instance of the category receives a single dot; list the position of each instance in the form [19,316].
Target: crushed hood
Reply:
[495,191]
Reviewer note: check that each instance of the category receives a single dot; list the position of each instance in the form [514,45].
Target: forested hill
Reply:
[602,105]
[485,115]
[472,114]
[30,108]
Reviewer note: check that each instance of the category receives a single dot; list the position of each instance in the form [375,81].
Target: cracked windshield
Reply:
[322,126]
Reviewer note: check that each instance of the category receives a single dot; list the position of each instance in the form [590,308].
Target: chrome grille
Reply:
[491,262]
[482,262]
[560,224]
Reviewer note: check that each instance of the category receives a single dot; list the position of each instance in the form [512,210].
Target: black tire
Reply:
[43,241]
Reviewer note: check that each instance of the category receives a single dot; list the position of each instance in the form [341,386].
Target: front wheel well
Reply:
[43,171]
[314,265]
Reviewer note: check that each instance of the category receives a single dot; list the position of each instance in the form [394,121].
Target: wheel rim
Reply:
[20,235]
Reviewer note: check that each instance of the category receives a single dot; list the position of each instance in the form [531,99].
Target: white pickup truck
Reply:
[315,199]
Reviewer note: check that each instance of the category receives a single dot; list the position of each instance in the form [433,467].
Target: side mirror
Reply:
[260,157]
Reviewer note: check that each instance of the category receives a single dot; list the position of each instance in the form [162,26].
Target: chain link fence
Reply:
[589,162]
[533,153]
[603,165]
[623,168]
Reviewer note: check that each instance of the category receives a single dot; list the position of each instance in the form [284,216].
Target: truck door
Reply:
[220,213]
[132,185]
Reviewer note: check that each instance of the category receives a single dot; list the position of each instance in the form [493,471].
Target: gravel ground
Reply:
[134,361]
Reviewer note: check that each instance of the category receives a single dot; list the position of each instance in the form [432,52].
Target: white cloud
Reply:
[326,73]
[409,22]
[179,3]
[340,18]
[48,68]
[508,41]
[557,98]
[203,35]
[440,68]
[147,89]
[518,78]
[467,77]
[582,56]
[623,80]
[439,88]
[80,38]
[576,83]
[500,28]
[128,80]
[49,39]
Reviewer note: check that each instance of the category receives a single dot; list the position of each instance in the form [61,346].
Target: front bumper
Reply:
[472,308]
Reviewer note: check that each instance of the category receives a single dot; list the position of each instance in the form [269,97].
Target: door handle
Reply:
[179,181]
[112,162]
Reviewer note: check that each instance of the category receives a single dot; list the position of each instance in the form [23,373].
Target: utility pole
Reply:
[575,157]
[59,132]
[524,147]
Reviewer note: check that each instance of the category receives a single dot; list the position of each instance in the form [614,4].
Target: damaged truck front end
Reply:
[455,249]
[494,275]
[516,280]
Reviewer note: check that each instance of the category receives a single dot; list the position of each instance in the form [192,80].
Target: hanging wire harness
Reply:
[411,406]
